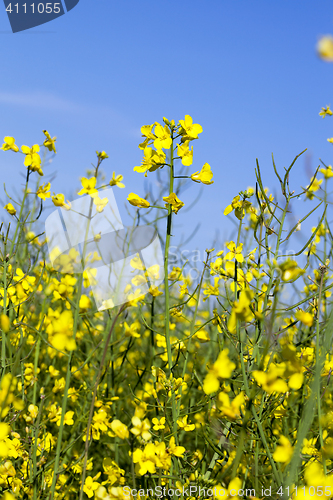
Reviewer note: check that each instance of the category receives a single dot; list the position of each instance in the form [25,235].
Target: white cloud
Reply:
[39,99]
[48,101]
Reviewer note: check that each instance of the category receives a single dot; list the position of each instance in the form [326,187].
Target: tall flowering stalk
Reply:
[164,138]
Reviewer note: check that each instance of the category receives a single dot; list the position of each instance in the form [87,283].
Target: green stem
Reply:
[192,332]
[70,355]
[246,385]
[167,295]
[166,268]
[318,370]
[6,260]
[91,412]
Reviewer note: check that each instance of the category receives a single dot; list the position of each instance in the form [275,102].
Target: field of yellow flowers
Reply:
[214,388]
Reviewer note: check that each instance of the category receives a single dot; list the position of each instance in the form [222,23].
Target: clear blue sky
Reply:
[247,71]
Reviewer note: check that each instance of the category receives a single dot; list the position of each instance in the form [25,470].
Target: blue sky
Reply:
[246,71]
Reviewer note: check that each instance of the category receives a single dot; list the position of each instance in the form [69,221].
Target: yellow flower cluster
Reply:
[206,381]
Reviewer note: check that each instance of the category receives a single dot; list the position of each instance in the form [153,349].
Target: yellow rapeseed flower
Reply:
[290,270]
[68,419]
[312,188]
[182,423]
[9,143]
[100,203]
[325,48]
[32,158]
[222,368]
[163,139]
[61,335]
[178,451]
[270,380]
[49,143]
[205,175]
[59,201]
[325,111]
[241,310]
[146,131]
[10,209]
[327,172]
[174,201]
[4,323]
[305,317]
[146,459]
[284,451]
[231,494]
[141,428]
[4,432]
[116,181]
[158,423]
[296,381]
[154,291]
[102,155]
[88,186]
[151,161]
[43,191]
[185,153]
[189,129]
[240,206]
[8,496]
[230,409]
[90,486]
[234,252]
[119,429]
[136,201]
